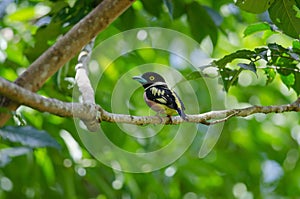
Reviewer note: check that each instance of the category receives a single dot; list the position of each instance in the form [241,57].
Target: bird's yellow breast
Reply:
[159,108]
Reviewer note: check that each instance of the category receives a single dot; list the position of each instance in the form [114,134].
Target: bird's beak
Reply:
[139,79]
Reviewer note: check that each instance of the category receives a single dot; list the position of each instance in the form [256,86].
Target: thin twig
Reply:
[223,119]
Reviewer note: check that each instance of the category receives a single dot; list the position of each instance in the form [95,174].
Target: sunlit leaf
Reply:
[288,80]
[296,46]
[253,28]
[270,73]
[24,14]
[28,136]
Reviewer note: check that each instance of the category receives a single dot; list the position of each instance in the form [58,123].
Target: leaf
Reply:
[153,7]
[284,15]
[240,54]
[7,154]
[194,75]
[201,23]
[254,6]
[296,46]
[229,77]
[251,66]
[296,85]
[270,73]
[43,36]
[277,48]
[276,52]
[24,14]
[288,80]
[262,53]
[215,16]
[169,5]
[256,28]
[28,136]
[178,8]
[127,20]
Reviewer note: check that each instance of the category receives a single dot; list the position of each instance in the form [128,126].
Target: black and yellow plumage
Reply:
[159,97]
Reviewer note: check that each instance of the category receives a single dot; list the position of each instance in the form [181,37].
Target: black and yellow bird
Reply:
[159,97]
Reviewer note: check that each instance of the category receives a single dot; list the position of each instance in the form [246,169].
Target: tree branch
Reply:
[66,48]
[84,84]
[87,111]
[65,109]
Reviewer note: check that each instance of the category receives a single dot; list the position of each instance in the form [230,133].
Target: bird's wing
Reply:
[163,95]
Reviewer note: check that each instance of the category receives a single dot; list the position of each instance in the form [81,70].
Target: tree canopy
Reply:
[234,64]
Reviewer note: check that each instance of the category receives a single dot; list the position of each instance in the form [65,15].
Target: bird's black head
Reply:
[149,78]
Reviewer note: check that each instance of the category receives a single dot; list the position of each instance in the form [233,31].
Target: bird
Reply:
[159,97]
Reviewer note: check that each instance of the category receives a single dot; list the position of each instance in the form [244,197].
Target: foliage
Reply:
[278,60]
[285,14]
[258,64]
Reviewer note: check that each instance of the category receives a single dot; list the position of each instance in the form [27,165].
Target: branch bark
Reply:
[84,84]
[89,111]
[66,48]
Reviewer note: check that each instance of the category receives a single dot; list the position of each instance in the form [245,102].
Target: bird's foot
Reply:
[170,119]
[160,118]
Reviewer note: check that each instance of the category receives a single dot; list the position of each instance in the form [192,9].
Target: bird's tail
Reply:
[182,114]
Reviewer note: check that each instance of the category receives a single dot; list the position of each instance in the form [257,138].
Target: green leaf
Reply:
[296,85]
[240,54]
[154,7]
[169,5]
[296,47]
[214,15]
[277,48]
[201,23]
[256,28]
[251,66]
[262,53]
[288,80]
[283,13]
[7,154]
[229,77]
[194,75]
[270,73]
[23,14]
[254,6]
[43,37]
[178,8]
[28,136]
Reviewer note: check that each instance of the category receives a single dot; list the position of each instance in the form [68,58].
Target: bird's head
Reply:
[149,78]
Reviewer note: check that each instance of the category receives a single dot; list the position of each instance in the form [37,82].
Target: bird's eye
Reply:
[151,78]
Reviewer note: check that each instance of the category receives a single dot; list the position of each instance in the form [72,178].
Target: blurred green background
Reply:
[254,157]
